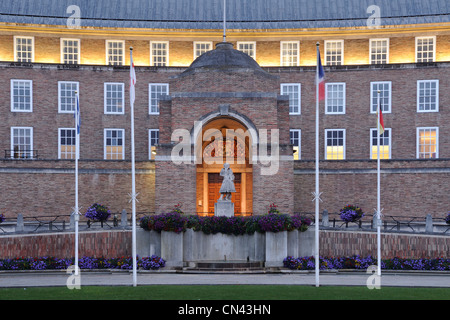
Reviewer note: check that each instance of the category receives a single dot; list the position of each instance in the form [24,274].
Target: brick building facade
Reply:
[43,62]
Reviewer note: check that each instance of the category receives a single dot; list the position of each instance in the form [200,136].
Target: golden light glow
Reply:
[384,152]
[427,143]
[335,153]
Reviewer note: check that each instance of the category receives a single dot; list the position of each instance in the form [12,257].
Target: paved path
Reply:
[43,279]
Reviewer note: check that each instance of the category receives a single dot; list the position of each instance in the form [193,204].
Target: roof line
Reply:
[217,21]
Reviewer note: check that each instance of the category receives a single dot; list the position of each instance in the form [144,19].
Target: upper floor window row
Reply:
[425,51]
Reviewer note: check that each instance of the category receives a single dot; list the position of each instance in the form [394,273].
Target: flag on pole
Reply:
[380,119]
[320,76]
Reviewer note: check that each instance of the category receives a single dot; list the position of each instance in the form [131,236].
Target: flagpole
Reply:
[77,156]
[317,175]
[378,187]
[133,180]
[224,20]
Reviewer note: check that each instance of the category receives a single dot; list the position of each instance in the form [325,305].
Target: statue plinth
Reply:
[224,208]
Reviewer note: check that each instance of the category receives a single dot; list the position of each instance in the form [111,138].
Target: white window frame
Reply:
[12,95]
[418,141]
[343,139]
[59,142]
[62,50]
[210,43]
[437,95]
[246,50]
[60,96]
[374,97]
[31,142]
[283,87]
[299,144]
[150,105]
[327,59]
[150,144]
[417,51]
[15,48]
[327,85]
[122,57]
[105,91]
[292,62]
[105,146]
[371,46]
[165,55]
[374,130]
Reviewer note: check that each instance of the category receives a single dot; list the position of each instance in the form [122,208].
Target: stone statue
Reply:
[227,184]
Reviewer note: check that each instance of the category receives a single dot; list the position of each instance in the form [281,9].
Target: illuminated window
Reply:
[114,98]
[200,47]
[159,53]
[427,95]
[295,135]
[115,54]
[70,51]
[335,144]
[427,143]
[114,144]
[153,140]
[21,142]
[67,140]
[293,90]
[156,90]
[290,53]
[334,52]
[379,51]
[385,144]
[248,48]
[24,49]
[21,95]
[425,49]
[385,96]
[67,96]
[335,98]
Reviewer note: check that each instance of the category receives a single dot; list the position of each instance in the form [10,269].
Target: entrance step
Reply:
[225,266]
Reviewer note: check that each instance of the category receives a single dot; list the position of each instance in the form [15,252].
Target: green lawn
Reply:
[224,292]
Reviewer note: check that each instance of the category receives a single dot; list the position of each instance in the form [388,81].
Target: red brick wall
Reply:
[118,243]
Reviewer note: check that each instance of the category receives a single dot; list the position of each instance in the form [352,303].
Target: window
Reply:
[67,96]
[293,90]
[248,48]
[153,140]
[114,144]
[201,47]
[156,90]
[335,98]
[114,98]
[290,53]
[70,51]
[385,144]
[427,143]
[379,51]
[425,49]
[24,49]
[115,54]
[334,53]
[21,95]
[427,95]
[159,53]
[21,142]
[385,96]
[295,135]
[335,144]
[67,141]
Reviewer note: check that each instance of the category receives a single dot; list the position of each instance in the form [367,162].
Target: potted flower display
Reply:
[351,213]
[98,212]
[2,218]
[447,219]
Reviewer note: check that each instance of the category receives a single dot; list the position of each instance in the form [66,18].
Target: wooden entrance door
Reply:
[214,184]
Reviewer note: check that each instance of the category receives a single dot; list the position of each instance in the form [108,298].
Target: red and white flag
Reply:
[380,120]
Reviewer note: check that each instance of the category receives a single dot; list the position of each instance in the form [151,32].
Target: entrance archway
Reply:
[224,140]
